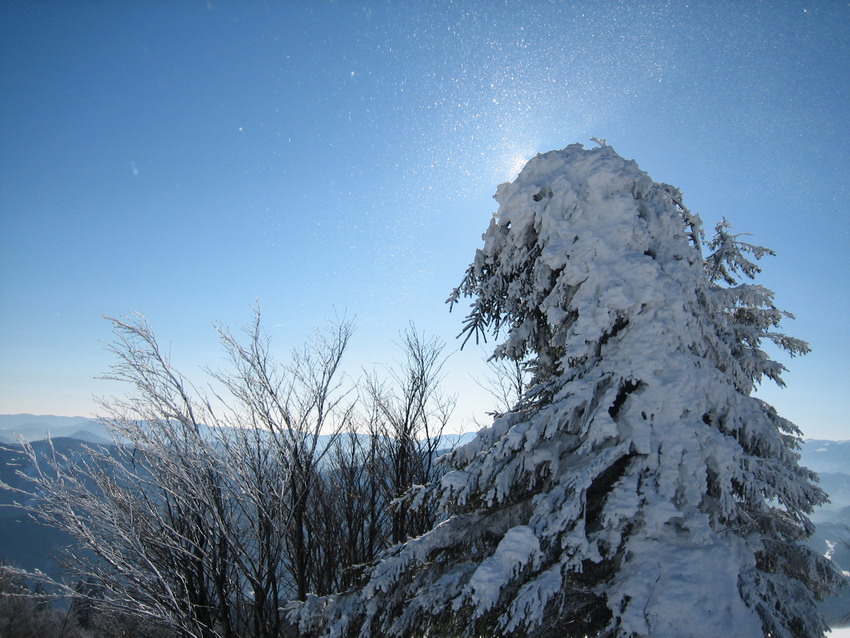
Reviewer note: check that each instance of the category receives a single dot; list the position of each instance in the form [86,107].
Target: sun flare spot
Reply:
[513,161]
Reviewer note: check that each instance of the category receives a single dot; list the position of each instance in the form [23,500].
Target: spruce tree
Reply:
[637,488]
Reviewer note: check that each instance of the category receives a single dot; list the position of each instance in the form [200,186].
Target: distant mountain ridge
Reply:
[34,427]
[826,456]
[16,420]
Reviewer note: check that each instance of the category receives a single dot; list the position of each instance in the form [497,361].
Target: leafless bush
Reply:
[213,508]
[196,519]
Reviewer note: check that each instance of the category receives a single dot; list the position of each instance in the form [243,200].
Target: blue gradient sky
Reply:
[184,159]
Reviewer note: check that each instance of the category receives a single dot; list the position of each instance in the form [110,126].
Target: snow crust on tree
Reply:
[637,489]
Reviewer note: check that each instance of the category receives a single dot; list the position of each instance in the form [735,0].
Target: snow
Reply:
[637,477]
[518,547]
[672,578]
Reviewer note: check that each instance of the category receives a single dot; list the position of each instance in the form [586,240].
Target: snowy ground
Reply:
[841,632]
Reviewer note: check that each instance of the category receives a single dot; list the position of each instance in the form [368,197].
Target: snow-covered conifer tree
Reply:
[637,489]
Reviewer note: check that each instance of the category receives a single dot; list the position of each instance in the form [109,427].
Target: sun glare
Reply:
[512,161]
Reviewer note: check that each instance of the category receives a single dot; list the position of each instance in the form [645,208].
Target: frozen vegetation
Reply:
[637,488]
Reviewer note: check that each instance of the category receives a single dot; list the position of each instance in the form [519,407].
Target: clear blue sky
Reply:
[184,159]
